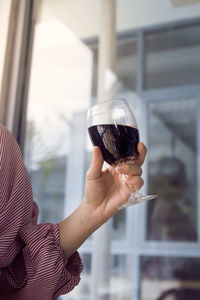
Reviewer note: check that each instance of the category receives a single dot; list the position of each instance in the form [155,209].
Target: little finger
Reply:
[135,183]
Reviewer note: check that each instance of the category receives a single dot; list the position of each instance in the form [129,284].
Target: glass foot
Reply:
[136,198]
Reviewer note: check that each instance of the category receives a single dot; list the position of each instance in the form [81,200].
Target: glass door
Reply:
[170,256]
[173,170]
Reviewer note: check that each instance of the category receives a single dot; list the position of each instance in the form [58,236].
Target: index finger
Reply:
[142,151]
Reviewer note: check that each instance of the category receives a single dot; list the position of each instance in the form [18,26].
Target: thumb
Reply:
[96,165]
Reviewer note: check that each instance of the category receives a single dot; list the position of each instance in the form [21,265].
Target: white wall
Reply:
[83,16]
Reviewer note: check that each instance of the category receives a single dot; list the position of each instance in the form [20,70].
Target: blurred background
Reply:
[57,58]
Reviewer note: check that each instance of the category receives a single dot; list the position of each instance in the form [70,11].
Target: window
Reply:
[173,170]
[172,57]
[166,278]
[60,91]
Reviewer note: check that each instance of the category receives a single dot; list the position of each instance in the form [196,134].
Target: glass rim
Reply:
[106,101]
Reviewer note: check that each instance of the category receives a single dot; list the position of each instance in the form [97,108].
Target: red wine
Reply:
[118,143]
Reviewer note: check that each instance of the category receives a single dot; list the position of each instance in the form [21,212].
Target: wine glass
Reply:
[112,127]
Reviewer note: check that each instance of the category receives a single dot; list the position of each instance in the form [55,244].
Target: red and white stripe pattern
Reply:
[32,265]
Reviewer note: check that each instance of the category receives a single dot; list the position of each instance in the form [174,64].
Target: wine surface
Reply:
[118,143]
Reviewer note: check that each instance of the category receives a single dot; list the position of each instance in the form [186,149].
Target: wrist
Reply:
[75,229]
[88,217]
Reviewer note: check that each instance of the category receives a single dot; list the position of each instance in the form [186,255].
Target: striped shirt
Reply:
[32,265]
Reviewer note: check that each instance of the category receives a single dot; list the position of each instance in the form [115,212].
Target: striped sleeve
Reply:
[31,259]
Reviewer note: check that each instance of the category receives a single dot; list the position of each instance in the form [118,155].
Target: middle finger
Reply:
[129,170]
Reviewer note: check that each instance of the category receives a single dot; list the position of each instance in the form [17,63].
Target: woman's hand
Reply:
[106,190]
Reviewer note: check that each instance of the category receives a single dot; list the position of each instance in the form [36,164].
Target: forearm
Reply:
[75,229]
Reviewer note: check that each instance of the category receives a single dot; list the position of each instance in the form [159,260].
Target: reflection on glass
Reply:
[60,91]
[172,57]
[125,69]
[172,171]
[126,66]
[166,278]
